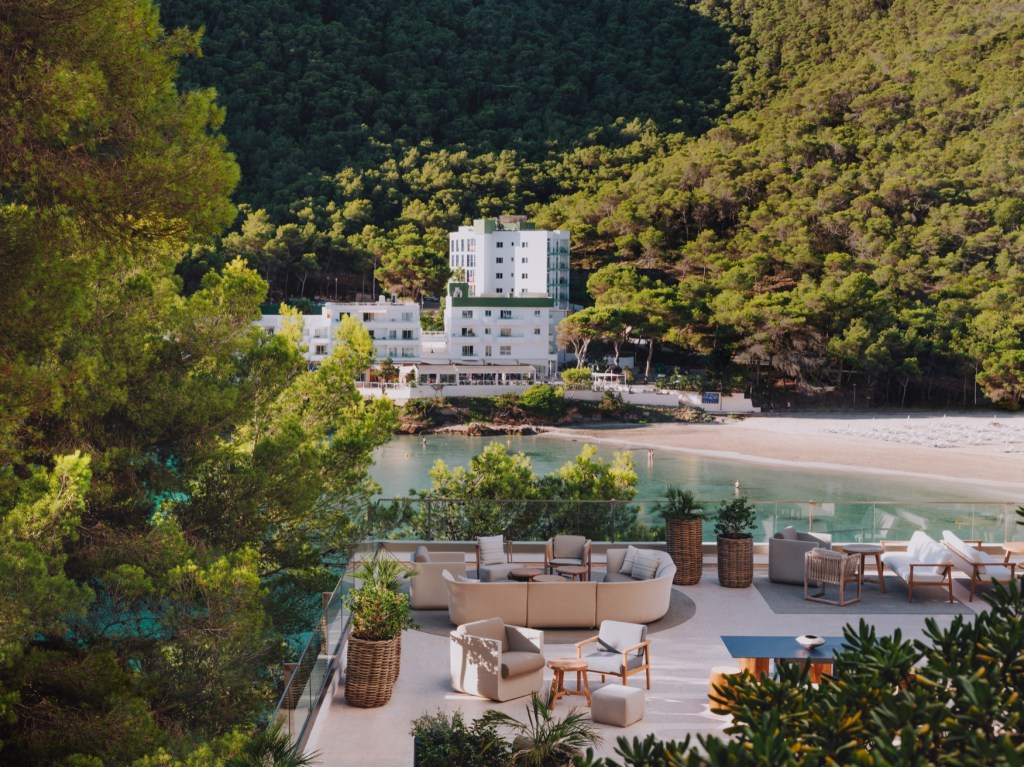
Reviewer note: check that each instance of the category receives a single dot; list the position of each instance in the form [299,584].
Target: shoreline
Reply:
[981,450]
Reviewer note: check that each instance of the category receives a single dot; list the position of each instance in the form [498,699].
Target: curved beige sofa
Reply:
[566,604]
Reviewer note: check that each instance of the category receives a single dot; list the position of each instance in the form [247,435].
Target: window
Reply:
[487,351]
[505,351]
[320,349]
[506,332]
[499,275]
[406,316]
[470,261]
[536,331]
[467,351]
[499,245]
[367,317]
[524,260]
[536,312]
[499,290]
[499,260]
[525,276]
[506,314]
[392,335]
[467,314]
[487,331]
[487,313]
[406,335]
[523,244]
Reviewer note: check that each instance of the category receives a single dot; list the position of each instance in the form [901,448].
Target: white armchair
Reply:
[497,661]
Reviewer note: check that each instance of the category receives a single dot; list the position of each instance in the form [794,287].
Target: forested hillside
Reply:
[830,191]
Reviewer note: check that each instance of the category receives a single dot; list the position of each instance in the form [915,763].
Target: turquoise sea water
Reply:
[851,505]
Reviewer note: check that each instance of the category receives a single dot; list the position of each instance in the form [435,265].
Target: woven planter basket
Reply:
[371,669]
[683,539]
[736,562]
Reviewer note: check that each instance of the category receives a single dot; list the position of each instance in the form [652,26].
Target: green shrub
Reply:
[544,400]
[447,742]
[577,378]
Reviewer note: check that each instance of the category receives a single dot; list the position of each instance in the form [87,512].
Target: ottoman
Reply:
[617,704]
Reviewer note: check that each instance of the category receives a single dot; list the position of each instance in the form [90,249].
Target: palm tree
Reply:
[542,741]
[270,747]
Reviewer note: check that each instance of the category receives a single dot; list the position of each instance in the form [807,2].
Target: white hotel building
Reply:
[503,311]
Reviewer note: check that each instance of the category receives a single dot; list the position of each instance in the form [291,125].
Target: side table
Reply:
[574,572]
[558,667]
[866,550]
[524,573]
[1011,548]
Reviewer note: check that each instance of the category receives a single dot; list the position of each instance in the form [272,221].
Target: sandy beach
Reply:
[987,450]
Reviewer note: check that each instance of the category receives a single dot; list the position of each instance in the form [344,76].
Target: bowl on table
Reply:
[810,641]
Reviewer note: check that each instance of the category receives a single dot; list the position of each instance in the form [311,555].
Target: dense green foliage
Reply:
[174,484]
[313,88]
[954,697]
[442,741]
[498,493]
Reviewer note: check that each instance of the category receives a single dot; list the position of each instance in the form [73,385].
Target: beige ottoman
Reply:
[617,704]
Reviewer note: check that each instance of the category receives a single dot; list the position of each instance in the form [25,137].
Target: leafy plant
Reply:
[679,505]
[735,519]
[446,742]
[543,741]
[271,747]
[379,609]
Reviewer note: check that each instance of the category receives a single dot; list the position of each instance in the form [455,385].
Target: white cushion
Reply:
[968,552]
[788,533]
[627,563]
[644,566]
[492,549]
[937,556]
[918,544]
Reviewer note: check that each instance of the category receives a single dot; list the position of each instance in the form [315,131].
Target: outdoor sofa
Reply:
[639,595]
[926,562]
[980,566]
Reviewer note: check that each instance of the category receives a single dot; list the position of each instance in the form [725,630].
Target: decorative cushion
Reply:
[491,628]
[421,554]
[644,566]
[568,546]
[627,563]
[971,554]
[788,533]
[616,636]
[518,662]
[492,549]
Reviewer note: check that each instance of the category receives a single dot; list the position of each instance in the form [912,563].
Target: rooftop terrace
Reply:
[684,647]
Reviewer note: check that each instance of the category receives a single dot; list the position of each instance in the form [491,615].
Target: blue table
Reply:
[754,652]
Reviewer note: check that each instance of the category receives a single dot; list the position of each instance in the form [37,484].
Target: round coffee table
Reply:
[547,579]
[559,666]
[866,550]
[524,573]
[573,571]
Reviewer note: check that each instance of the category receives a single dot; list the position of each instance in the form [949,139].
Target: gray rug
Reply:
[928,600]
[680,609]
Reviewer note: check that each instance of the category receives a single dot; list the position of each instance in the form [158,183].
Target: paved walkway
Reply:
[676,705]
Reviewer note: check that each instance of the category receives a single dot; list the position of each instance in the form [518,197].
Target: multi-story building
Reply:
[507,257]
[394,327]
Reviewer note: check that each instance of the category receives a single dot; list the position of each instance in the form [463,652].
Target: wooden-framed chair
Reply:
[824,567]
[623,650]
[567,550]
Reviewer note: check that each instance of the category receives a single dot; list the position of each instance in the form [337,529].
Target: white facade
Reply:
[508,257]
[394,327]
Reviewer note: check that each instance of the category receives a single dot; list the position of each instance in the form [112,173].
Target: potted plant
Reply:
[684,533]
[734,528]
[379,613]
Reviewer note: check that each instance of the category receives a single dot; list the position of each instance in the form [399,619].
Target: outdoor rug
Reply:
[928,600]
[680,609]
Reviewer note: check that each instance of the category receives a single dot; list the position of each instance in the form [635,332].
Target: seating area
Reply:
[666,687]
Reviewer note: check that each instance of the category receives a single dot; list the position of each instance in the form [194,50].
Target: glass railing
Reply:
[307,679]
[846,521]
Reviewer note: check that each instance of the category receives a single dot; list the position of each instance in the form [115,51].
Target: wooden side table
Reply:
[866,550]
[1011,548]
[558,667]
[574,572]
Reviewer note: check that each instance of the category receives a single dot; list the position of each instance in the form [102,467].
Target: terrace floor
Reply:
[676,704]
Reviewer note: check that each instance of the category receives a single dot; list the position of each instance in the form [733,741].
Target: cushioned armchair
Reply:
[567,550]
[497,661]
[493,558]
[427,589]
[786,551]
[623,649]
